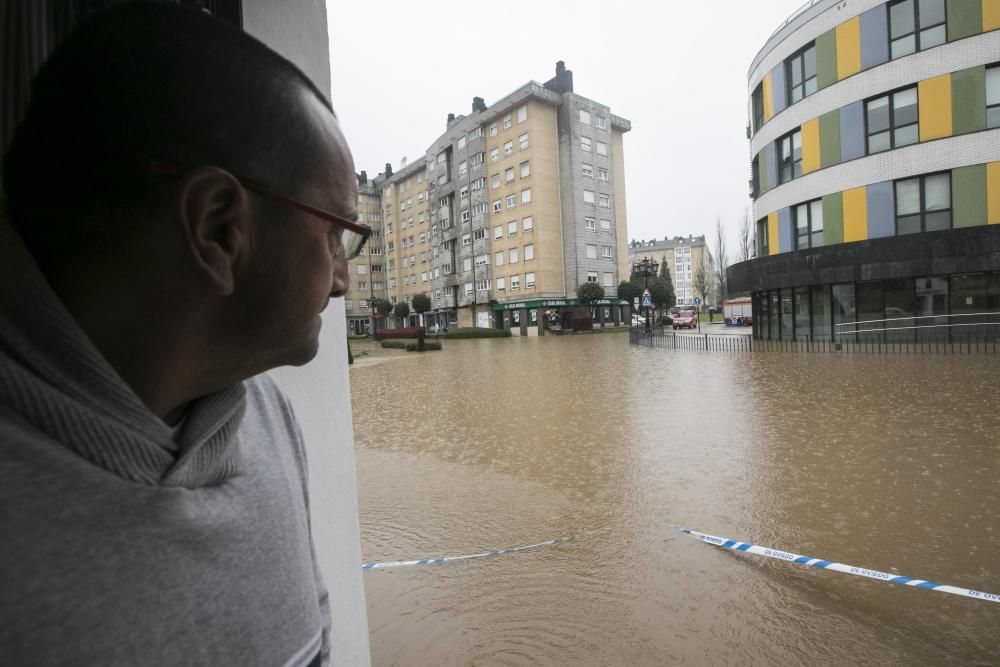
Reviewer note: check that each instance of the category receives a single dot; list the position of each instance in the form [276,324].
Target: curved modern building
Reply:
[875,145]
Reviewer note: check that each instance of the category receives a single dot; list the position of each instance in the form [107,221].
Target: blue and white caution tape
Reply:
[453,559]
[839,567]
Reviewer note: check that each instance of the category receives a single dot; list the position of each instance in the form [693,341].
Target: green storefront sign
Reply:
[553,303]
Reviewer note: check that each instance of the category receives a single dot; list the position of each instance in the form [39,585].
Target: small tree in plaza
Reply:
[629,290]
[421,304]
[662,291]
[402,311]
[588,293]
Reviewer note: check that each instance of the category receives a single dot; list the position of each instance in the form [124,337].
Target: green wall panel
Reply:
[968,192]
[833,218]
[762,171]
[968,100]
[829,138]
[965,18]
[826,59]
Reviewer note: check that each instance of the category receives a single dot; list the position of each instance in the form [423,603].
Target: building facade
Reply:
[510,210]
[875,143]
[684,257]
[368,271]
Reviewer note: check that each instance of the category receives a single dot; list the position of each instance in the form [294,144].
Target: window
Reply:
[498,232]
[602,174]
[479,209]
[493,130]
[763,247]
[525,196]
[809,225]
[529,252]
[522,141]
[497,206]
[606,252]
[479,183]
[592,253]
[468,289]
[923,204]
[525,170]
[509,175]
[477,158]
[506,122]
[592,277]
[495,181]
[604,201]
[483,285]
[892,120]
[588,170]
[501,284]
[362,285]
[915,25]
[609,279]
[522,114]
[494,155]
[463,167]
[498,258]
[467,264]
[602,148]
[362,269]
[527,224]
[601,123]
[529,280]
[482,260]
[466,240]
[512,228]
[757,105]
[515,282]
[463,193]
[512,256]
[585,144]
[790,156]
[461,143]
[993,96]
[423,276]
[605,226]
[508,148]
[465,215]
[479,235]
[584,116]
[476,133]
[511,201]
[800,73]
[588,197]
[589,224]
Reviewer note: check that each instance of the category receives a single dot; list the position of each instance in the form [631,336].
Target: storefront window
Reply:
[787,316]
[900,307]
[821,323]
[968,306]
[843,312]
[802,328]
[932,309]
[871,311]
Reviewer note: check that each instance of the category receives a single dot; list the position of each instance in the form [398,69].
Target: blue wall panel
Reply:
[785,231]
[771,156]
[852,131]
[778,88]
[874,37]
[881,210]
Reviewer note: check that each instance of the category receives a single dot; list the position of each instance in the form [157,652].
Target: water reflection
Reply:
[875,461]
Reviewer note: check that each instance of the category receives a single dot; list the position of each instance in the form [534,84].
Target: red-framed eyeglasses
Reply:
[353,235]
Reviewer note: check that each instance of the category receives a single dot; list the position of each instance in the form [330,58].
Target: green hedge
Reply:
[477,332]
[358,337]
[409,345]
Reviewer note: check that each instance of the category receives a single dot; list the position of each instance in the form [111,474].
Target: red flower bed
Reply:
[405,332]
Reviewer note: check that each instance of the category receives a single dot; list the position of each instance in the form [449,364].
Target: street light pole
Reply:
[647,267]
[373,303]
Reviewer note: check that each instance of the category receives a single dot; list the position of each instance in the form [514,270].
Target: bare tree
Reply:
[721,260]
[703,276]
[746,237]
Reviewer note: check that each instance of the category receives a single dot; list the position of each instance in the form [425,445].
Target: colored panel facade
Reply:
[762,183]
[771,157]
[968,100]
[829,138]
[852,131]
[855,215]
[934,96]
[768,104]
[826,59]
[968,196]
[786,234]
[881,209]
[810,146]
[991,15]
[833,218]
[874,37]
[849,48]
[993,193]
[965,18]
[772,233]
[778,88]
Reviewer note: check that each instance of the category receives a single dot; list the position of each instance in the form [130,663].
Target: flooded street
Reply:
[878,461]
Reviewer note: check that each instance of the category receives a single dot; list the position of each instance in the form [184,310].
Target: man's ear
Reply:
[216,216]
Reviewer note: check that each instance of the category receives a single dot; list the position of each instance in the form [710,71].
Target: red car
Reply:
[685,320]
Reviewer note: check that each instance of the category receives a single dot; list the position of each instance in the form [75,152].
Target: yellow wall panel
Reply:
[855,215]
[772,233]
[810,146]
[991,15]
[934,97]
[849,48]
[768,103]
[993,193]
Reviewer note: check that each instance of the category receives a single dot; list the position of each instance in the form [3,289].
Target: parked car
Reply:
[638,321]
[685,319]
[666,320]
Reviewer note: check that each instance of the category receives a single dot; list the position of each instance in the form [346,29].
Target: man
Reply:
[179,202]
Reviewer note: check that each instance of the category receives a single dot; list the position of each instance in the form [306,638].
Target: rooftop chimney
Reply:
[363,179]
[451,118]
[478,104]
[388,169]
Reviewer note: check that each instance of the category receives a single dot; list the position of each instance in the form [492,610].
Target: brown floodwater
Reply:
[889,462]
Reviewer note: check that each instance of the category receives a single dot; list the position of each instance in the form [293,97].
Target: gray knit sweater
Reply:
[113,551]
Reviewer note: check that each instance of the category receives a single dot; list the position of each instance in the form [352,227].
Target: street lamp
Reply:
[373,303]
[646,268]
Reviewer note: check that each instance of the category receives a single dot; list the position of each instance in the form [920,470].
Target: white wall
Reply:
[320,391]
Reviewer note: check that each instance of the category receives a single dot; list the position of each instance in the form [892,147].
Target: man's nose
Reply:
[341,279]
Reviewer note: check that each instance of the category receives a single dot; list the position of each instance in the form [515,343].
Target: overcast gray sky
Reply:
[676,70]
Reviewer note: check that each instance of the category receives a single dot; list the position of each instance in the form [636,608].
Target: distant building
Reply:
[683,256]
[876,173]
[368,271]
[508,212]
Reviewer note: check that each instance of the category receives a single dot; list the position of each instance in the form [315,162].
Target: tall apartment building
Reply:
[683,256]
[510,210]
[875,135]
[368,271]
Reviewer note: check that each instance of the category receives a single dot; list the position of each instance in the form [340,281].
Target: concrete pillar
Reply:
[524,321]
[540,320]
[600,315]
